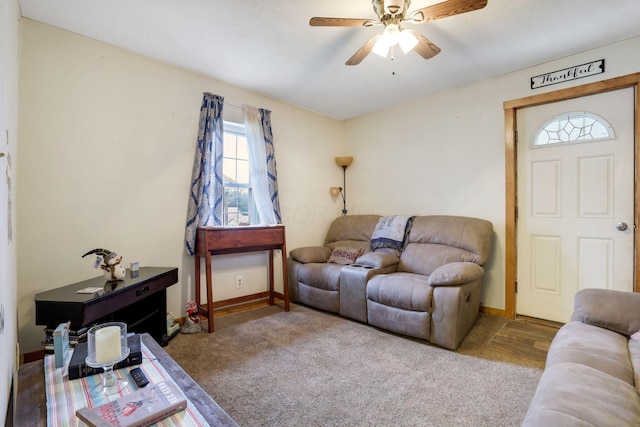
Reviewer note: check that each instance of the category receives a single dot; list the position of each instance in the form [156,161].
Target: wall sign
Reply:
[568,74]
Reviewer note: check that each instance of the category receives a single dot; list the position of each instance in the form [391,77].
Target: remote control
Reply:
[139,377]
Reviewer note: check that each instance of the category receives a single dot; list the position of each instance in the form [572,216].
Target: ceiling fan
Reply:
[391,14]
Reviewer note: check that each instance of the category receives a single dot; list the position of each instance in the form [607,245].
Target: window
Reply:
[573,127]
[237,203]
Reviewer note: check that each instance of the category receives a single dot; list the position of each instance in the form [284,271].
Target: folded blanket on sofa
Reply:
[391,233]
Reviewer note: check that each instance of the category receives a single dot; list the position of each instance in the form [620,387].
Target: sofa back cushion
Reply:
[439,239]
[634,354]
[352,231]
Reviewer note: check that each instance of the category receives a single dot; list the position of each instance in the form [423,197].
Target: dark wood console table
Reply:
[229,240]
[140,302]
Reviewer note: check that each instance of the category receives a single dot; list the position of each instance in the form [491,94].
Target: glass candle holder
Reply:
[106,346]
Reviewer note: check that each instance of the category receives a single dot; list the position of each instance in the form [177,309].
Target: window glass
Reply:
[237,202]
[573,127]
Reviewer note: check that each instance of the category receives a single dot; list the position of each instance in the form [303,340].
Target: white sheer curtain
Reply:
[258,164]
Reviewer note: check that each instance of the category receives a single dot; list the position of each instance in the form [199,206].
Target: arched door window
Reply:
[571,128]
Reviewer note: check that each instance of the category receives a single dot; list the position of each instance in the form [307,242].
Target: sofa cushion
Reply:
[350,244]
[615,310]
[634,355]
[405,291]
[572,394]
[589,345]
[406,322]
[565,397]
[345,255]
[438,240]
[321,276]
[319,298]
[311,254]
[351,230]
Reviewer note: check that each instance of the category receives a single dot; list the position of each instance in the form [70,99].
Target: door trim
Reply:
[510,130]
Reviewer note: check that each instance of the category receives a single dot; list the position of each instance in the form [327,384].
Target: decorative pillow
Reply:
[345,255]
[636,336]
[391,233]
[311,254]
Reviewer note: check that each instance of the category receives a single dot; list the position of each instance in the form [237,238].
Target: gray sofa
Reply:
[430,289]
[592,375]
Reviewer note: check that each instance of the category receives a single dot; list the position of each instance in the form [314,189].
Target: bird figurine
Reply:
[109,262]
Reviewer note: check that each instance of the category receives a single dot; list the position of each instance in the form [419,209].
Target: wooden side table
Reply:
[229,240]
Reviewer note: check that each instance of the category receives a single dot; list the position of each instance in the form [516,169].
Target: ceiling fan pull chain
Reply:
[393,60]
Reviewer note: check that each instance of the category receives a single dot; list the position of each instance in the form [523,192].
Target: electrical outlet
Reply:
[239,282]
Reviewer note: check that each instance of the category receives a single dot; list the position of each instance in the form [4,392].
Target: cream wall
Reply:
[9,54]
[107,147]
[106,151]
[444,154]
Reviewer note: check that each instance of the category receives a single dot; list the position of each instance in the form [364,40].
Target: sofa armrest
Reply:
[455,273]
[311,254]
[614,310]
[378,260]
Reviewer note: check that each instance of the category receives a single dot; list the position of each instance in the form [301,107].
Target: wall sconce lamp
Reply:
[343,162]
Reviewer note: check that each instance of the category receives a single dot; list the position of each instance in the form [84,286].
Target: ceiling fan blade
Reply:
[363,51]
[424,48]
[341,22]
[445,9]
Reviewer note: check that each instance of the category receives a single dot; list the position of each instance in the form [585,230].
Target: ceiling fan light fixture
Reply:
[393,7]
[390,37]
[391,34]
[407,41]
[381,47]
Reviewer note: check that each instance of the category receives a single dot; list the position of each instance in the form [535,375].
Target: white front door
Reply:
[574,200]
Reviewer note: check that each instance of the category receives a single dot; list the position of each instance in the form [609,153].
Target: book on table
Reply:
[61,344]
[78,366]
[143,407]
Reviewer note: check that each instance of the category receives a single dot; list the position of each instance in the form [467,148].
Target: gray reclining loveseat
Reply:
[429,287]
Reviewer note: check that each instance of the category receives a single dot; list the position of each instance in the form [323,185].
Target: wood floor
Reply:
[525,339]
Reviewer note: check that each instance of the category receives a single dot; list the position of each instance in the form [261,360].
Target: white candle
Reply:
[108,344]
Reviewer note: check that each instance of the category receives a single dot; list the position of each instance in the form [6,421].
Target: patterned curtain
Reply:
[265,116]
[205,197]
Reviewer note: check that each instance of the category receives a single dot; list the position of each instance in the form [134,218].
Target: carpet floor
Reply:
[266,367]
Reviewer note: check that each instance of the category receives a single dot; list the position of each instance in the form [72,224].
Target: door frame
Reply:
[510,132]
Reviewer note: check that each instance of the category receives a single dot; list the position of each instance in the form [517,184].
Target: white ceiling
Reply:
[269,48]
